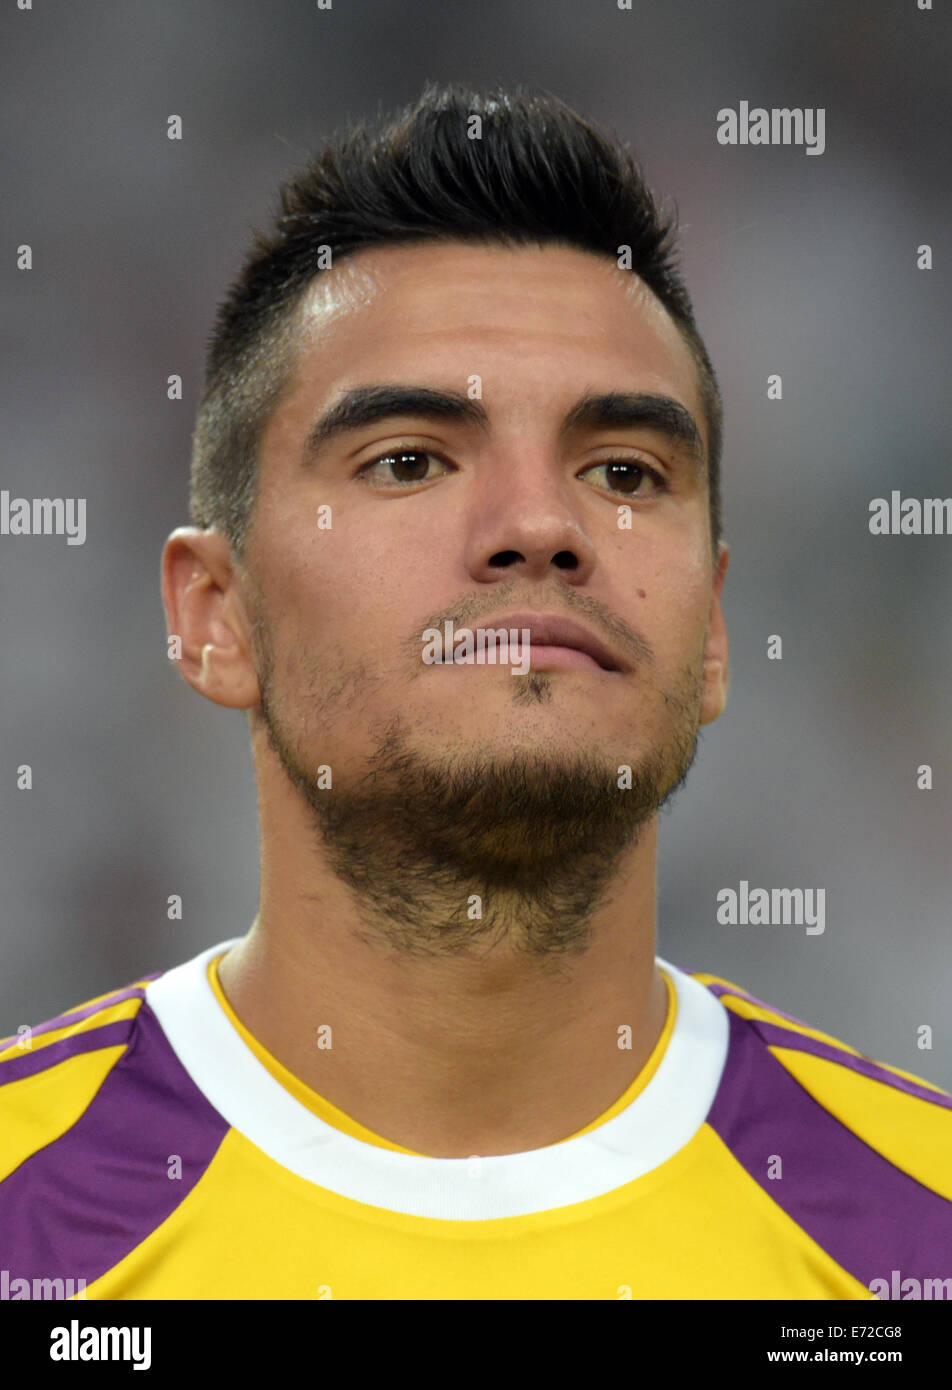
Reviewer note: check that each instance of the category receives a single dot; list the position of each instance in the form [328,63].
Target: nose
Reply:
[527,523]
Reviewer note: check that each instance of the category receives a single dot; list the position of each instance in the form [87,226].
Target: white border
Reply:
[657,1123]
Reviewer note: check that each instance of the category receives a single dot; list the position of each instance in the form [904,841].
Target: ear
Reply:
[716,672]
[205,610]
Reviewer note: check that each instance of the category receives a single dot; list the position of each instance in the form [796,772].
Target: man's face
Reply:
[475,519]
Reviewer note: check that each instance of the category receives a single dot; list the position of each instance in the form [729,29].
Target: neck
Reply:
[489,1050]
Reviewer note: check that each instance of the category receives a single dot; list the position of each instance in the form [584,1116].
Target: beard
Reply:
[461,852]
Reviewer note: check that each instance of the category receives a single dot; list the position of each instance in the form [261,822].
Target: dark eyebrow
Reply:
[367,405]
[620,409]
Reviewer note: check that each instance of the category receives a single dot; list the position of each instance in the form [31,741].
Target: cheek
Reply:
[674,615]
[350,593]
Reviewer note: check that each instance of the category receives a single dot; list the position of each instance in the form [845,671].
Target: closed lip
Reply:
[552,630]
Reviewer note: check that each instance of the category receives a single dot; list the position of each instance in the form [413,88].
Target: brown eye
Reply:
[405,466]
[627,479]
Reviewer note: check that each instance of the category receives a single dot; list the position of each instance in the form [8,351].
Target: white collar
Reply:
[654,1126]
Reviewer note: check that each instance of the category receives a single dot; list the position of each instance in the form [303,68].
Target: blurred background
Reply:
[799,265]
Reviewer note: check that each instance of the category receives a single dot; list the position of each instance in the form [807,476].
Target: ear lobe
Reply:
[716,652]
[203,608]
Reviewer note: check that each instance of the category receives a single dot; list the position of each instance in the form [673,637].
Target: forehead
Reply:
[537,324]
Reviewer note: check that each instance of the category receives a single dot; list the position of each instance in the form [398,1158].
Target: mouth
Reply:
[556,643]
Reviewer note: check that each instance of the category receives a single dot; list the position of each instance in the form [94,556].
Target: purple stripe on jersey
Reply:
[779,1036]
[783,1037]
[77,1015]
[869,1216]
[77,1207]
[109,1035]
[720,990]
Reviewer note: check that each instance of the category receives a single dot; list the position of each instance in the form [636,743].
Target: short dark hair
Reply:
[538,173]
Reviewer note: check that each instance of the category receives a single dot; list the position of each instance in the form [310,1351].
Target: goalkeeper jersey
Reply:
[150,1147]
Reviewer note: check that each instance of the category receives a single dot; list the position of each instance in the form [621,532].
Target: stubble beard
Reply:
[459,852]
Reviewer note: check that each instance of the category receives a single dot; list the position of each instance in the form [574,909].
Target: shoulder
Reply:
[50,1072]
[903,1118]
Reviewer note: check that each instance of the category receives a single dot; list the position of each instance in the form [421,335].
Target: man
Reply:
[457,551]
